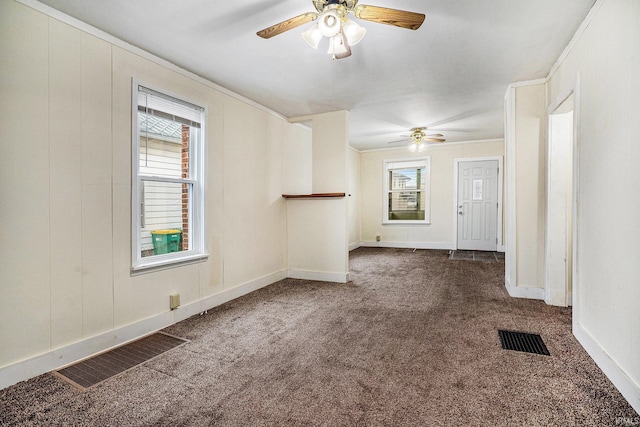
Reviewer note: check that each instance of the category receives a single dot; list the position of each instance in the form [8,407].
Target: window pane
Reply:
[165,217]
[167,213]
[407,205]
[164,147]
[411,179]
[407,191]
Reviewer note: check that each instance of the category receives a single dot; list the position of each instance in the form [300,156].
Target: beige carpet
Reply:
[411,341]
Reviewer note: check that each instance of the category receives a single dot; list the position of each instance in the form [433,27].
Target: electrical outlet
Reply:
[174,301]
[377,237]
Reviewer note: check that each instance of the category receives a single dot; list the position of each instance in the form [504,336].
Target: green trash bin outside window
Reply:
[166,241]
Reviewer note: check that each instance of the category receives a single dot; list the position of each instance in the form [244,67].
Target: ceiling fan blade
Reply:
[434,139]
[399,141]
[383,15]
[287,25]
[435,135]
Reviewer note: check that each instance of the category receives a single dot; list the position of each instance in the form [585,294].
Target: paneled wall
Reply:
[603,68]
[65,193]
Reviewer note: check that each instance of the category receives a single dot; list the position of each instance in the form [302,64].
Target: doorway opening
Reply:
[559,240]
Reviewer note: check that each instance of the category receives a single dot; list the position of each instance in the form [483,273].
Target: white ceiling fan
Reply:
[342,32]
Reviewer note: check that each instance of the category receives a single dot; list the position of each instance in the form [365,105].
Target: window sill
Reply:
[167,262]
[406,222]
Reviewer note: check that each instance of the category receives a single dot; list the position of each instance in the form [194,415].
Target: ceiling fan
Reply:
[333,23]
[418,138]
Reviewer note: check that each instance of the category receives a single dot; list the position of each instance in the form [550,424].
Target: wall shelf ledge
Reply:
[313,196]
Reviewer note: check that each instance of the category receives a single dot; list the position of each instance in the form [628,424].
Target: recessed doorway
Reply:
[560,203]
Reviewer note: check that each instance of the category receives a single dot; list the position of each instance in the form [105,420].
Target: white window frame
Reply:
[390,164]
[197,155]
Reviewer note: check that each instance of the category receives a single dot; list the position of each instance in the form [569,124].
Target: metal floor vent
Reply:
[97,369]
[522,341]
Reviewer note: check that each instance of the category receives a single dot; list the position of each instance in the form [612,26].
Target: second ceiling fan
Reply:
[342,32]
[418,138]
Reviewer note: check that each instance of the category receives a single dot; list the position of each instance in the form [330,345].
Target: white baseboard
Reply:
[524,292]
[355,245]
[60,357]
[321,276]
[409,245]
[627,387]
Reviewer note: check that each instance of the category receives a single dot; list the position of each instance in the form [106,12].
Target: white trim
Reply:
[409,245]
[625,385]
[321,276]
[76,23]
[559,100]
[524,292]
[575,282]
[525,83]
[433,145]
[456,166]
[576,36]
[167,261]
[510,242]
[426,160]
[355,245]
[56,359]
[551,108]
[197,212]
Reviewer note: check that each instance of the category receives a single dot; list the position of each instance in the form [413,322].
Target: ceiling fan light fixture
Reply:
[417,147]
[354,32]
[312,36]
[337,45]
[332,21]
[329,23]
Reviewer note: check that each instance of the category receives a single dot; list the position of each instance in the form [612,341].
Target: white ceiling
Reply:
[450,75]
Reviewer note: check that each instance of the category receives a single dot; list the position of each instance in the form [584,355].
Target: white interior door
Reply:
[478,205]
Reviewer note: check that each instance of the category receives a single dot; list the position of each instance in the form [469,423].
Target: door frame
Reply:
[456,171]
[569,297]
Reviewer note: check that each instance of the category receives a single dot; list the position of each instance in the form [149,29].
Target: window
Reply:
[167,185]
[406,191]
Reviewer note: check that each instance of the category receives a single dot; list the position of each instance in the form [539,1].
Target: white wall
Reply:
[317,228]
[65,191]
[440,234]
[298,161]
[529,161]
[606,61]
[354,198]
